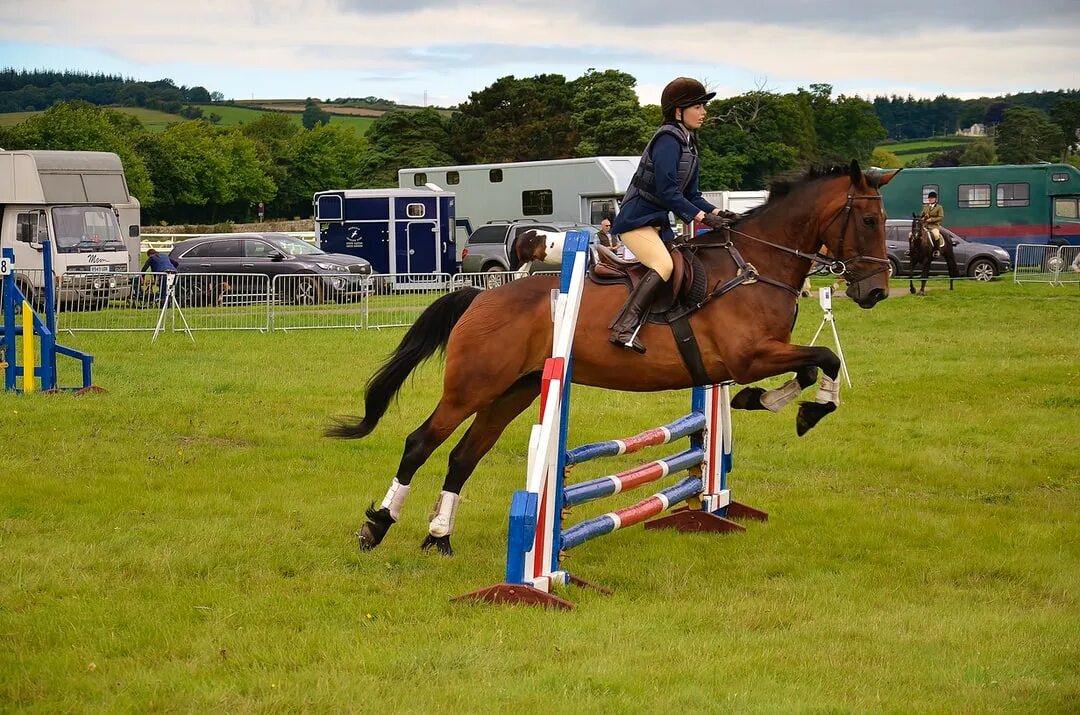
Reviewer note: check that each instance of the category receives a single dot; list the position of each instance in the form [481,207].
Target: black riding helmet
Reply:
[683,92]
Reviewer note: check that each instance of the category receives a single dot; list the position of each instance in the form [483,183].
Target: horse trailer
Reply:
[999,205]
[396,230]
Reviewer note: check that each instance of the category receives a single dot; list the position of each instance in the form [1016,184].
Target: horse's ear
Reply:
[878,178]
[857,177]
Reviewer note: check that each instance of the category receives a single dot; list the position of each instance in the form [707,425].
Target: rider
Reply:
[932,215]
[666,181]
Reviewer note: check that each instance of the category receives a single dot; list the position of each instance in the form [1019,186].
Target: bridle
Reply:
[747,273]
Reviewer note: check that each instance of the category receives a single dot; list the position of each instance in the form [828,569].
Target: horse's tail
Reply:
[429,333]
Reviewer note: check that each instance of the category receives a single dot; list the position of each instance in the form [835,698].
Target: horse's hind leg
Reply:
[478,440]
[418,447]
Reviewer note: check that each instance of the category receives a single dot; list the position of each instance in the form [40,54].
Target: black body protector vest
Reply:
[644,182]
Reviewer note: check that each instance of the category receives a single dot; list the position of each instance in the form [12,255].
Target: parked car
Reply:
[489,247]
[977,260]
[314,275]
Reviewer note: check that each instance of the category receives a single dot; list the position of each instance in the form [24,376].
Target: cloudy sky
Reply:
[404,49]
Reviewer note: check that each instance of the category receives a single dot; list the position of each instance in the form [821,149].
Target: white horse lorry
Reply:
[584,190]
[566,190]
[77,200]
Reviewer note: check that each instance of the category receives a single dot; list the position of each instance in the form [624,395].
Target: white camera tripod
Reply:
[825,299]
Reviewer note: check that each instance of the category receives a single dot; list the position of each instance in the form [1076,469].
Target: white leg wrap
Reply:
[775,400]
[395,498]
[442,517]
[828,390]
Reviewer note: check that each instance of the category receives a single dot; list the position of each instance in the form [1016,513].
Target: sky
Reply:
[426,52]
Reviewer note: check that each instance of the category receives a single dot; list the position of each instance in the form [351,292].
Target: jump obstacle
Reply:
[536,537]
[32,324]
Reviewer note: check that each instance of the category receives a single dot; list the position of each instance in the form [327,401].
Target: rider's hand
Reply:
[715,222]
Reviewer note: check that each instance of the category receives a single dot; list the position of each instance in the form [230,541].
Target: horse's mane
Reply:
[785,185]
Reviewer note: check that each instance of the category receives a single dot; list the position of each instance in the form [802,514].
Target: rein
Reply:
[746,273]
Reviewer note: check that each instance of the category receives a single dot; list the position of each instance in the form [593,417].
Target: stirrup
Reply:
[630,343]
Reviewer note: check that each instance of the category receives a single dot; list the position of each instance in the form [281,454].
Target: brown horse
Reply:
[921,253]
[496,341]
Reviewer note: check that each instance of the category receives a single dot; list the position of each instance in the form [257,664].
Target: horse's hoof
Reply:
[367,538]
[442,543]
[748,398]
[374,530]
[912,290]
[810,413]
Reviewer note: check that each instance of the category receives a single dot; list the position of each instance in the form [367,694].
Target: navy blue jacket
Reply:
[639,211]
[160,263]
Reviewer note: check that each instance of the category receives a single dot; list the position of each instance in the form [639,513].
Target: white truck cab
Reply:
[69,198]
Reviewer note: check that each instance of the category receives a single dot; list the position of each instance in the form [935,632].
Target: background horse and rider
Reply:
[496,341]
[921,252]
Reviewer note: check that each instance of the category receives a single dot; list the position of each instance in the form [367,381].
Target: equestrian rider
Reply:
[666,181]
[932,215]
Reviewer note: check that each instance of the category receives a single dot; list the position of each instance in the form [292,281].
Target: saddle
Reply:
[682,293]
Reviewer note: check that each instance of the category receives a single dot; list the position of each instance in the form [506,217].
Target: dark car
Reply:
[980,261]
[297,271]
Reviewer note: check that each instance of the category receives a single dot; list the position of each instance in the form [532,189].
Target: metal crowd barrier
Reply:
[397,299]
[1041,263]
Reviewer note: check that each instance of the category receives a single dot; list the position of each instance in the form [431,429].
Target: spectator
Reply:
[161,266]
[604,237]
[262,211]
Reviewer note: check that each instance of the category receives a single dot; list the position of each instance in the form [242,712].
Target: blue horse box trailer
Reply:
[396,230]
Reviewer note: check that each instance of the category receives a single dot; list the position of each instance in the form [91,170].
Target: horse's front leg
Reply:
[776,358]
[774,400]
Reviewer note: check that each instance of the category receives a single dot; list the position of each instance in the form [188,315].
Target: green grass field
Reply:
[185,541]
[909,151]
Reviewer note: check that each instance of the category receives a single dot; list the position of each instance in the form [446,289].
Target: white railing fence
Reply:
[1056,265]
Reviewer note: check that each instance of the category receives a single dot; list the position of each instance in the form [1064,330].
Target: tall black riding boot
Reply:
[623,332]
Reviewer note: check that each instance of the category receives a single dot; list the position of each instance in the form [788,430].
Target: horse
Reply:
[535,245]
[496,341]
[921,253]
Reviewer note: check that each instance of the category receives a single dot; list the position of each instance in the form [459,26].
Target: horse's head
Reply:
[534,245]
[855,233]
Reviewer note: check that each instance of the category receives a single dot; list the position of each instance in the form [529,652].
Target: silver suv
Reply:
[488,248]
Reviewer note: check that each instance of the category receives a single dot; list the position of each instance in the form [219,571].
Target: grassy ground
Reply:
[184,542]
[238,115]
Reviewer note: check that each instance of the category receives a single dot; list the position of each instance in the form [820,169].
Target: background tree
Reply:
[979,153]
[314,115]
[1066,115]
[515,120]
[847,127]
[753,137]
[204,173]
[80,126]
[272,134]
[326,157]
[397,140]
[1026,135]
[885,159]
[607,116]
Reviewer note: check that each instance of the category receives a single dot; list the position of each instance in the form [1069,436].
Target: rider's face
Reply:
[693,117]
